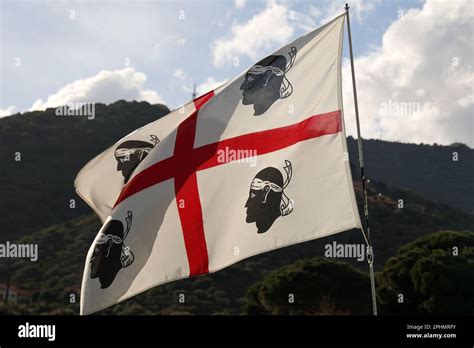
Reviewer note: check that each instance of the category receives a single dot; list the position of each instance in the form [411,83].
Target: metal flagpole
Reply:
[370,252]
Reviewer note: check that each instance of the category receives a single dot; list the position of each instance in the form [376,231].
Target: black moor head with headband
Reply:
[130,153]
[110,252]
[266,82]
[267,199]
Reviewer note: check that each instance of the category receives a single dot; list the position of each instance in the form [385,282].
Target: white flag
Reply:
[262,165]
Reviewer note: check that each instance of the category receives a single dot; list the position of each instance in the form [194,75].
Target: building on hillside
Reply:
[14,294]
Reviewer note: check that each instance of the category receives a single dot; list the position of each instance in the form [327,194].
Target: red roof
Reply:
[19,292]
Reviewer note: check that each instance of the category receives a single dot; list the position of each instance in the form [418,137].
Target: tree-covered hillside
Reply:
[35,191]
[432,275]
[441,173]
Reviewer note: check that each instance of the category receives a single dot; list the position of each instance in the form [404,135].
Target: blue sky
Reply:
[64,47]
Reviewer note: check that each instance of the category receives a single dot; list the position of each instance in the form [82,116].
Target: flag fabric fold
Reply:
[259,164]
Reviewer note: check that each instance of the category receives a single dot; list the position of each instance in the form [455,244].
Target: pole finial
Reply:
[347,7]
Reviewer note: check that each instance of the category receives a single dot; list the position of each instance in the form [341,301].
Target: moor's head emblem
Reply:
[267,200]
[110,253]
[266,82]
[130,153]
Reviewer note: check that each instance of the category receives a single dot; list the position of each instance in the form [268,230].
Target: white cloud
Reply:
[306,21]
[106,87]
[8,111]
[209,85]
[261,32]
[188,84]
[179,74]
[332,8]
[240,3]
[275,25]
[425,62]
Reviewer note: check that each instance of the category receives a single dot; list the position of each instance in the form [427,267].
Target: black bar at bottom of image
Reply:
[414,330]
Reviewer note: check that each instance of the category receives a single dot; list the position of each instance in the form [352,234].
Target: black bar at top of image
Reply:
[238,329]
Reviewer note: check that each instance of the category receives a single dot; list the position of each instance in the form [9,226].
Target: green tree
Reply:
[435,275]
[311,286]
[12,308]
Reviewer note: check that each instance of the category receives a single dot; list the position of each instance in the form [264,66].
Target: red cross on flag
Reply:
[258,164]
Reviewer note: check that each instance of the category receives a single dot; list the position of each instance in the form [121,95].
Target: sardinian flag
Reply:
[260,164]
